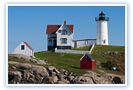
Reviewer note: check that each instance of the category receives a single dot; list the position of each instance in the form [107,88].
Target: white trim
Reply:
[60,85]
[82,57]
[66,84]
[66,5]
[92,48]
[126,63]
[6,44]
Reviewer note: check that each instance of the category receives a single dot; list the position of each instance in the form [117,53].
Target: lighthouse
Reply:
[102,29]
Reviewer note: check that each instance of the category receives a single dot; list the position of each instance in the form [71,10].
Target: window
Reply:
[104,41]
[22,47]
[63,40]
[64,32]
[59,31]
[50,40]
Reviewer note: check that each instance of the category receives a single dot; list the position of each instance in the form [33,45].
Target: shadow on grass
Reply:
[75,67]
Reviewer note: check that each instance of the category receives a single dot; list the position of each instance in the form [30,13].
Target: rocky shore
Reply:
[25,70]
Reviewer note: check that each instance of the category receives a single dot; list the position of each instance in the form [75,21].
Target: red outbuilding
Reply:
[86,62]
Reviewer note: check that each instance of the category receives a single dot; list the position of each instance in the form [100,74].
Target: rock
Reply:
[40,70]
[38,78]
[14,77]
[55,79]
[83,79]
[52,71]
[60,76]
[62,71]
[21,56]
[116,52]
[65,81]
[48,80]
[66,72]
[41,62]
[71,73]
[28,77]
[61,82]
[101,79]
[51,68]
[33,60]
[56,70]
[70,78]
[111,53]
[117,80]
[30,73]
[12,62]
[23,66]
[13,67]
[31,81]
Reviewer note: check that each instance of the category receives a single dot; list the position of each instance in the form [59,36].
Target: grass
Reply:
[116,60]
[99,52]
[71,62]
[86,48]
[66,61]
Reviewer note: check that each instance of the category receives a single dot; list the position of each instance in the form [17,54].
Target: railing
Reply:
[102,18]
[92,48]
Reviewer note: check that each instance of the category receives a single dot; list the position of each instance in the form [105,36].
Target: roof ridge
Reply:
[28,45]
[53,28]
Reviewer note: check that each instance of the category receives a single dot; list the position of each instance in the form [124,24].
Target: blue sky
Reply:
[28,23]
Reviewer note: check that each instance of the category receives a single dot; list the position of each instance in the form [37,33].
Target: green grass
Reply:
[86,48]
[99,51]
[66,61]
[117,60]
[71,62]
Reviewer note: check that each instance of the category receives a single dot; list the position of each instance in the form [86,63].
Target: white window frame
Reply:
[63,40]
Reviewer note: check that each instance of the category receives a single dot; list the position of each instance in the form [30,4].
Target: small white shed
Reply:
[25,49]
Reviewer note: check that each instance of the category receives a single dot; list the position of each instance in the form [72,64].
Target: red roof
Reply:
[86,57]
[53,28]
[27,45]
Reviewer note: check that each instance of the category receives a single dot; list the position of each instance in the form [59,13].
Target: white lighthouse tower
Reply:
[102,29]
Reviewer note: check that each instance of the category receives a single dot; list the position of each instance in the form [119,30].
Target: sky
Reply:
[28,23]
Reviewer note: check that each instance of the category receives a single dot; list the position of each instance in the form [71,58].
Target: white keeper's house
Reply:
[25,49]
[61,36]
